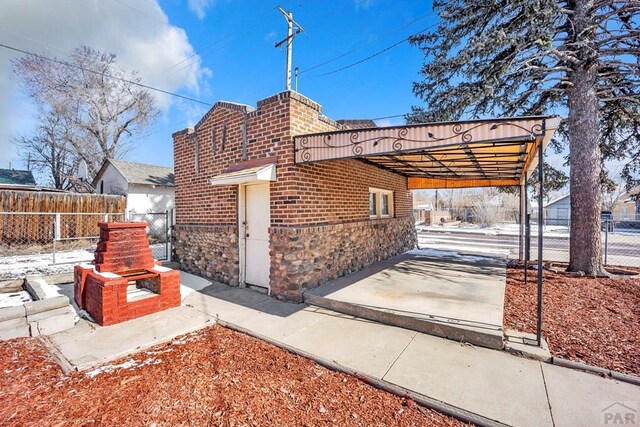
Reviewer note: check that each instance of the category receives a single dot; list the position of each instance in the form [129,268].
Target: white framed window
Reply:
[373,205]
[380,203]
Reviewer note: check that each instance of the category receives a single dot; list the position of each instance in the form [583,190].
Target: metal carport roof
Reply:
[473,153]
[463,154]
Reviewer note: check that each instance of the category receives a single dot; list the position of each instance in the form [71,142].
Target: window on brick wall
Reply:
[380,203]
[372,205]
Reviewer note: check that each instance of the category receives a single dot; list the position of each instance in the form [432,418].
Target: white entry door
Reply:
[258,219]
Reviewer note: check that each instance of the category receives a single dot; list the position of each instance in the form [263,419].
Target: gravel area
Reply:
[590,320]
[212,377]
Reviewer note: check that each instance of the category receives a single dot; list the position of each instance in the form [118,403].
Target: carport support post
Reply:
[522,216]
[540,241]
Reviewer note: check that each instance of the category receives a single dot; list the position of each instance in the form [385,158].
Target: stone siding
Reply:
[305,257]
[209,251]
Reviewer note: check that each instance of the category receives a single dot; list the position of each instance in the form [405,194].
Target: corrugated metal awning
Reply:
[477,153]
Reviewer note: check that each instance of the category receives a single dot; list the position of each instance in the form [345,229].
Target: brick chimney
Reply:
[123,247]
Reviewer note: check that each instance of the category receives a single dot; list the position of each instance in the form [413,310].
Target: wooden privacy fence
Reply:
[37,218]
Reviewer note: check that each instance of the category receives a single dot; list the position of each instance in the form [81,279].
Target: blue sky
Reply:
[224,50]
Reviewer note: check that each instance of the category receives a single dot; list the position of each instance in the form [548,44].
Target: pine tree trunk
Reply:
[585,156]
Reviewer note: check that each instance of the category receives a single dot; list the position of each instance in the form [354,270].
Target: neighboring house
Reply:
[426,214]
[420,211]
[627,206]
[558,211]
[148,188]
[13,179]
[248,215]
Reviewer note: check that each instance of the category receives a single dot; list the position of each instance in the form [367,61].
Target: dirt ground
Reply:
[212,377]
[590,320]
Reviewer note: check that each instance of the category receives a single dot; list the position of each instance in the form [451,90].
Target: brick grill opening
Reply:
[124,281]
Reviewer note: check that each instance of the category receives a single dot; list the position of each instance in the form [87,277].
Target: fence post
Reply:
[167,254]
[56,235]
[606,240]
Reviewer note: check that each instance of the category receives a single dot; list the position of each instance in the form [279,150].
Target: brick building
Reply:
[248,215]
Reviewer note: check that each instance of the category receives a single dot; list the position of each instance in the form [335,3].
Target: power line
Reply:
[420,18]
[137,10]
[199,52]
[363,59]
[48,45]
[388,117]
[66,64]
[380,52]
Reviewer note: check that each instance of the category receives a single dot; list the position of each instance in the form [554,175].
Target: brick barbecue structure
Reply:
[124,281]
[322,220]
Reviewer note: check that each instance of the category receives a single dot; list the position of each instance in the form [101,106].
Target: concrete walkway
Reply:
[490,383]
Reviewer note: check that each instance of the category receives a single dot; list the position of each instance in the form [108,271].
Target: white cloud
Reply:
[395,121]
[362,4]
[271,35]
[200,7]
[141,37]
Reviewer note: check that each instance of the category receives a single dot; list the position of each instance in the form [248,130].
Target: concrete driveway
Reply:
[439,292]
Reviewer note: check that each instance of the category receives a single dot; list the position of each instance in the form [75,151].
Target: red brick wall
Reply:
[324,193]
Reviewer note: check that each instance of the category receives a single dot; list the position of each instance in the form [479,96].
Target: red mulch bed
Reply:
[212,377]
[590,320]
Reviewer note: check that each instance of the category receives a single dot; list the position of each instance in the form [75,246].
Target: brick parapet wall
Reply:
[305,257]
[307,195]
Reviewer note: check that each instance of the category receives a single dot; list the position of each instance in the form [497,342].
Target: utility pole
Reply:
[289,41]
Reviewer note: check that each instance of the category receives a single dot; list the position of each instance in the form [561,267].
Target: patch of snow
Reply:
[50,291]
[168,350]
[185,339]
[498,230]
[129,364]
[15,266]
[437,253]
[22,265]
[8,371]
[457,247]
[12,299]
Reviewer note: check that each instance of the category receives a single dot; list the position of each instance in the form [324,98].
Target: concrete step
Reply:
[475,333]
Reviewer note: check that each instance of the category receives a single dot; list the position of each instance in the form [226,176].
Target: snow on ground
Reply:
[497,230]
[12,267]
[437,253]
[129,364]
[12,299]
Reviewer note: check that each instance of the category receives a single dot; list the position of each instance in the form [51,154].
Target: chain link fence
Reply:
[158,231]
[620,239]
[43,242]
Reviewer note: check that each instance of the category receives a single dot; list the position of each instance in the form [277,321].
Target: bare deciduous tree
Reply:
[48,150]
[99,102]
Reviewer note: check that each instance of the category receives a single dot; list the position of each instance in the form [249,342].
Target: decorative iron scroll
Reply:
[457,131]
